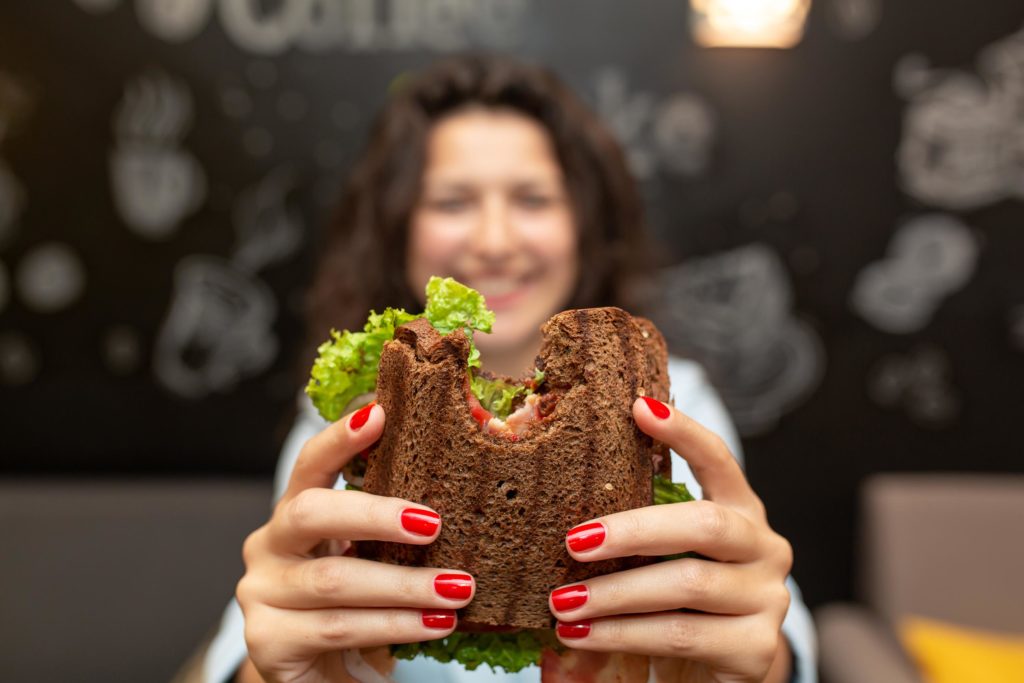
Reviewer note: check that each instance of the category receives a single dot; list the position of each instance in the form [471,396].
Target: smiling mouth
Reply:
[503,292]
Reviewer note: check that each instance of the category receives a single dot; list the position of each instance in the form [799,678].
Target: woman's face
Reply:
[494,214]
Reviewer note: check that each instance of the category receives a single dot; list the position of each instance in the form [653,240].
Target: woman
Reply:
[490,171]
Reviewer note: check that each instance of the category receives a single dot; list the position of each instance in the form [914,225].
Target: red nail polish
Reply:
[585,537]
[439,618]
[573,629]
[659,409]
[454,586]
[569,597]
[419,521]
[360,417]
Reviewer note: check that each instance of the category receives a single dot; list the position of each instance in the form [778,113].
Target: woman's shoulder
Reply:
[686,375]
[693,394]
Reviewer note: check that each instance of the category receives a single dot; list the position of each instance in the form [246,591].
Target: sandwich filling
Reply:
[346,369]
[344,376]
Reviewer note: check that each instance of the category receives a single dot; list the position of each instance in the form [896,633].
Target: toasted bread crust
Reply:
[506,505]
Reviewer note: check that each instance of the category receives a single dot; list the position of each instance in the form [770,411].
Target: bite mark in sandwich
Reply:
[509,464]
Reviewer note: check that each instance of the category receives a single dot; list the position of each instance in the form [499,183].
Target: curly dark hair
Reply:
[362,266]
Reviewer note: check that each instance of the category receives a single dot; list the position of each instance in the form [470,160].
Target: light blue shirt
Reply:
[691,394]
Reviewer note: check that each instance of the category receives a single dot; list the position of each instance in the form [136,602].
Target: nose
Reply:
[495,237]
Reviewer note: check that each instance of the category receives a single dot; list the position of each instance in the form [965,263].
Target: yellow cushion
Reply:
[954,654]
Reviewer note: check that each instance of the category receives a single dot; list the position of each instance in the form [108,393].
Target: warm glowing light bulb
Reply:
[749,23]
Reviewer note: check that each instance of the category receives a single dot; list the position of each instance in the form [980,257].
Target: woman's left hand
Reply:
[715,619]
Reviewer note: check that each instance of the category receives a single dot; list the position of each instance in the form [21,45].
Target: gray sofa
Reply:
[949,547]
[117,580]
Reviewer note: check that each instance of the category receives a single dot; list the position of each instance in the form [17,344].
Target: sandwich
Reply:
[509,463]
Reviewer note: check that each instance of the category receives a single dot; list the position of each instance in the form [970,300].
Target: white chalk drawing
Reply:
[218,330]
[1002,64]
[963,133]
[854,19]
[930,257]
[122,350]
[156,183]
[12,202]
[271,28]
[269,229]
[50,277]
[675,132]
[19,360]
[174,21]
[917,382]
[733,313]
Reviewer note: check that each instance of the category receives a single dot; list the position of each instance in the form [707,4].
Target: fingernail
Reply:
[573,629]
[585,536]
[659,409]
[568,597]
[360,417]
[439,618]
[420,521]
[454,586]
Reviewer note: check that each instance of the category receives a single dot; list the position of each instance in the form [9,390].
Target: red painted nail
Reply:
[573,629]
[419,521]
[439,618]
[454,586]
[585,536]
[659,409]
[569,597]
[360,417]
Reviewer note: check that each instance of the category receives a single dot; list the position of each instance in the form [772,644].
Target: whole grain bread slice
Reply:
[506,505]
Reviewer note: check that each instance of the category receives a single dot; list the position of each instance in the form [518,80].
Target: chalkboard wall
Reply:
[846,219]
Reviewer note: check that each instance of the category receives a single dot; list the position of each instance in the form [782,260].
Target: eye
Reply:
[534,201]
[448,204]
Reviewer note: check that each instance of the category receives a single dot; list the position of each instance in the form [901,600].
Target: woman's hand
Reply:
[305,603]
[733,602]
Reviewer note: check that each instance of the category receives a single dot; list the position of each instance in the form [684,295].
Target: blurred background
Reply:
[842,206]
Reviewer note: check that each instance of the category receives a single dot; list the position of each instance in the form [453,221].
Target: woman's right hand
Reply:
[305,603]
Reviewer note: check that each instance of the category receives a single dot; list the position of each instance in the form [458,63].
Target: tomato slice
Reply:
[480,415]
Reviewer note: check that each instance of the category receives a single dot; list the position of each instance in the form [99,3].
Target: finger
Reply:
[741,646]
[710,459]
[315,514]
[325,454]
[701,526]
[688,583]
[284,634]
[353,582]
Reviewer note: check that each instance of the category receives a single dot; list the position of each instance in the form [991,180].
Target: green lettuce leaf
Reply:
[347,363]
[668,491]
[509,651]
[451,305]
[495,395]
